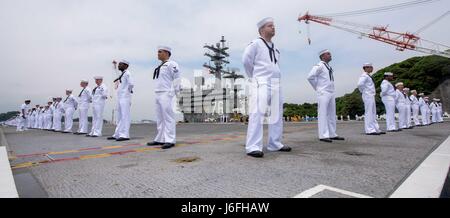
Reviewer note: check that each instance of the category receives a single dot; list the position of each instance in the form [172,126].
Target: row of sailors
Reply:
[49,117]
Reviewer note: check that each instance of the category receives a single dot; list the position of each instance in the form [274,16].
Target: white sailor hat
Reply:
[368,65]
[388,74]
[264,21]
[406,89]
[69,90]
[399,84]
[84,81]
[98,77]
[125,62]
[165,48]
[324,52]
[413,91]
[421,94]
[437,99]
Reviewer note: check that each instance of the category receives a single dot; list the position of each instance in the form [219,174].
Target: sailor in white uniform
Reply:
[401,105]
[261,63]
[388,96]
[440,118]
[366,86]
[123,109]
[428,108]
[57,115]
[41,117]
[415,107]
[36,117]
[408,108]
[434,110]
[21,124]
[99,96]
[321,79]
[48,116]
[70,106]
[167,78]
[84,101]
[423,109]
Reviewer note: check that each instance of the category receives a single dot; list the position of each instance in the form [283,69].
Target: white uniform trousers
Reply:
[424,113]
[415,114]
[83,119]
[97,118]
[123,118]
[402,116]
[370,115]
[265,100]
[389,105]
[165,118]
[57,121]
[434,118]
[48,121]
[408,116]
[68,119]
[327,115]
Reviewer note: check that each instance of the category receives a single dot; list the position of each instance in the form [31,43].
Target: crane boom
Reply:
[402,41]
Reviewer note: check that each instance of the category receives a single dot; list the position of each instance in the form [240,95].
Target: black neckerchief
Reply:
[67,98]
[271,51]
[371,78]
[330,70]
[156,72]
[93,92]
[81,92]
[120,77]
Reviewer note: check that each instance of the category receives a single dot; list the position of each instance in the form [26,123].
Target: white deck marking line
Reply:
[428,179]
[320,188]
[7,184]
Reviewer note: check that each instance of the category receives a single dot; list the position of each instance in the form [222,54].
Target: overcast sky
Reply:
[50,45]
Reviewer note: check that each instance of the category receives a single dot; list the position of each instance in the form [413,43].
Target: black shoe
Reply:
[256,154]
[285,149]
[122,139]
[66,132]
[76,133]
[80,133]
[94,136]
[374,133]
[167,146]
[154,143]
[326,140]
[382,133]
[338,138]
[88,136]
[111,138]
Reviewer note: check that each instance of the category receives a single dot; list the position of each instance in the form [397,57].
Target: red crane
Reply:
[402,41]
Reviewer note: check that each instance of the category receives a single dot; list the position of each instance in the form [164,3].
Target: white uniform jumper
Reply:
[440,113]
[423,111]
[21,124]
[70,105]
[366,86]
[166,77]
[57,115]
[99,96]
[388,96]
[322,80]
[48,118]
[84,100]
[402,109]
[261,63]
[434,112]
[123,108]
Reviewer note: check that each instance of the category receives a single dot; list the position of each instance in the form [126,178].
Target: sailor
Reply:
[440,112]
[366,86]
[401,105]
[428,108]
[70,106]
[388,96]
[57,115]
[32,118]
[123,108]
[99,96]
[48,116]
[22,118]
[167,78]
[53,114]
[41,117]
[408,108]
[423,109]
[415,106]
[434,110]
[36,116]
[261,62]
[84,101]
[321,79]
